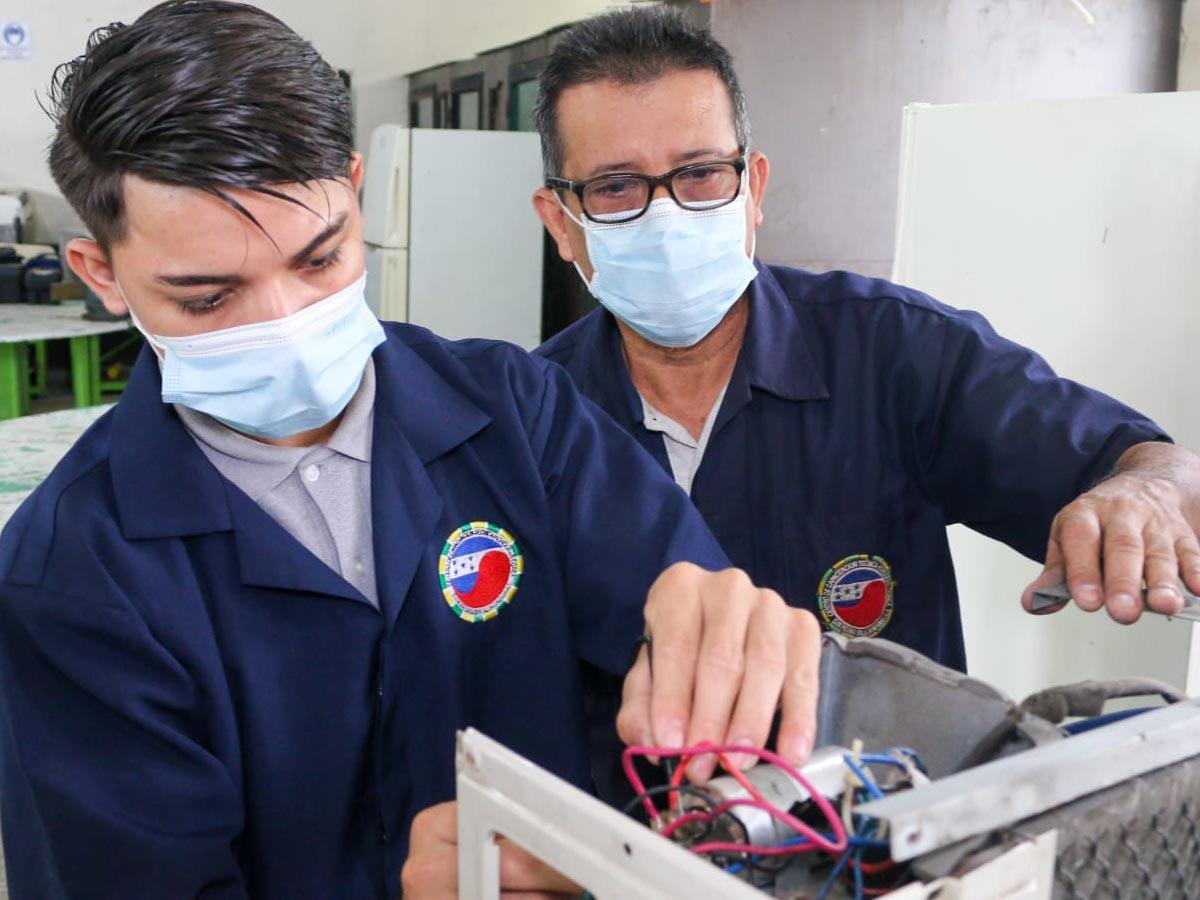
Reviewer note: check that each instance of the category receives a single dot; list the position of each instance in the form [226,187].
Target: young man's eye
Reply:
[327,261]
[202,305]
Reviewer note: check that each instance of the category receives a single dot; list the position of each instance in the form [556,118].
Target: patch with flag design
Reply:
[479,570]
[855,596]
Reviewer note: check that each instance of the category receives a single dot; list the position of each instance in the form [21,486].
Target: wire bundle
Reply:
[838,843]
[848,838]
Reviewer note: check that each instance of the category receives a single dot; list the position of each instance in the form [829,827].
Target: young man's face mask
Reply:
[277,378]
[260,323]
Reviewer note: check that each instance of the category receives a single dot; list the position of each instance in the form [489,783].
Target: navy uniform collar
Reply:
[163,484]
[165,487]
[775,355]
[600,370]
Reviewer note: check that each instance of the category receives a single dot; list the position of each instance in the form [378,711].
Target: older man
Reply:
[828,427]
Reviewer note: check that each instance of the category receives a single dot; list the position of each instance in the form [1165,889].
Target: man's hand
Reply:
[1140,524]
[725,656]
[431,870]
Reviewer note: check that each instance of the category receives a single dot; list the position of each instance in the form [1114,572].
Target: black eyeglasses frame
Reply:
[652,182]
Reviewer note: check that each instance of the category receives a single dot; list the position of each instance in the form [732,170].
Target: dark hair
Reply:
[630,46]
[204,94]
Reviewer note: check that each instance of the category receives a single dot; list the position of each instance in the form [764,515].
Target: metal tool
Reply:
[1049,599]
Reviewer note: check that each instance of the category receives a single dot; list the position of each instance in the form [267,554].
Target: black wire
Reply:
[691,791]
[777,863]
[668,789]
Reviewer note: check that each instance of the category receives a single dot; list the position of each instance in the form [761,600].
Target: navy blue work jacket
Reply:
[861,419]
[191,704]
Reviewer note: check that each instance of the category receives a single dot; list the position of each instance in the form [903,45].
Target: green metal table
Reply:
[22,324]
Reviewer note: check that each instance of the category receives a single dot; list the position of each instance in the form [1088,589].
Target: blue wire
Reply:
[862,776]
[883,759]
[1107,719]
[859,843]
[855,841]
[911,754]
[833,876]
[867,830]
[858,877]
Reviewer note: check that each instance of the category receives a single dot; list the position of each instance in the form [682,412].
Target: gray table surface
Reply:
[48,321]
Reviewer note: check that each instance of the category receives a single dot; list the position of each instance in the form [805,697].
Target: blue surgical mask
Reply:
[278,378]
[671,274]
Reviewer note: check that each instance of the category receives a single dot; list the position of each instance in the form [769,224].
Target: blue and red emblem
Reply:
[855,596]
[479,570]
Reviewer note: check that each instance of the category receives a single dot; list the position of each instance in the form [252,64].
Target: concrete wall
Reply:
[378,41]
[826,83]
[1189,47]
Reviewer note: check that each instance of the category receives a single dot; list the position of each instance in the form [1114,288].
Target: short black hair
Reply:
[630,46]
[206,94]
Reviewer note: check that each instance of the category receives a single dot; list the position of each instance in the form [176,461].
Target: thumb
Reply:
[1053,574]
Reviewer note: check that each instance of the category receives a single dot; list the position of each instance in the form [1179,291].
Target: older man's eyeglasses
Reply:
[625,196]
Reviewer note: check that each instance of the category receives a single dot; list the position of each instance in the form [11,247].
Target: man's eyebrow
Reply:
[702,154]
[627,166]
[681,160]
[326,233]
[298,259]
[195,280]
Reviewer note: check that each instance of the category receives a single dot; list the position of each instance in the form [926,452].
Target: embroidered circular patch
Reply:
[855,596]
[479,570]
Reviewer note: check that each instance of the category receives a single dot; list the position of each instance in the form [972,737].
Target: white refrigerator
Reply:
[452,240]
[1074,226]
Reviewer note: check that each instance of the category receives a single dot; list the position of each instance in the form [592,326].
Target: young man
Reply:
[243,619]
[830,426]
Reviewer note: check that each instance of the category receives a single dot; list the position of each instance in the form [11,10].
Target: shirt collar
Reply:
[776,356]
[268,465]
[164,486]
[353,435]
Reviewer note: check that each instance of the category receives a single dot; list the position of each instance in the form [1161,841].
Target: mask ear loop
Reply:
[567,212]
[570,215]
[746,188]
[159,349]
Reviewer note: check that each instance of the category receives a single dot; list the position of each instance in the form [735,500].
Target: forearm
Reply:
[1169,463]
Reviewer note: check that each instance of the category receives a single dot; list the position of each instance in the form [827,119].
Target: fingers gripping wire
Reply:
[836,845]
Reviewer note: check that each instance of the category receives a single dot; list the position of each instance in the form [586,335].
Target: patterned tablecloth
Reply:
[29,448]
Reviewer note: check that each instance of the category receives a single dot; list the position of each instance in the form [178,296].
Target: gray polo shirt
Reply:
[683,451]
[321,495]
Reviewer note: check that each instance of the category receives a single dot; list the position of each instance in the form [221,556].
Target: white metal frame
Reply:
[1005,791]
[616,858]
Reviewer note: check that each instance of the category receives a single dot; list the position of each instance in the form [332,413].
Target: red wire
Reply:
[676,781]
[837,846]
[726,764]
[872,868]
[741,779]
[754,849]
